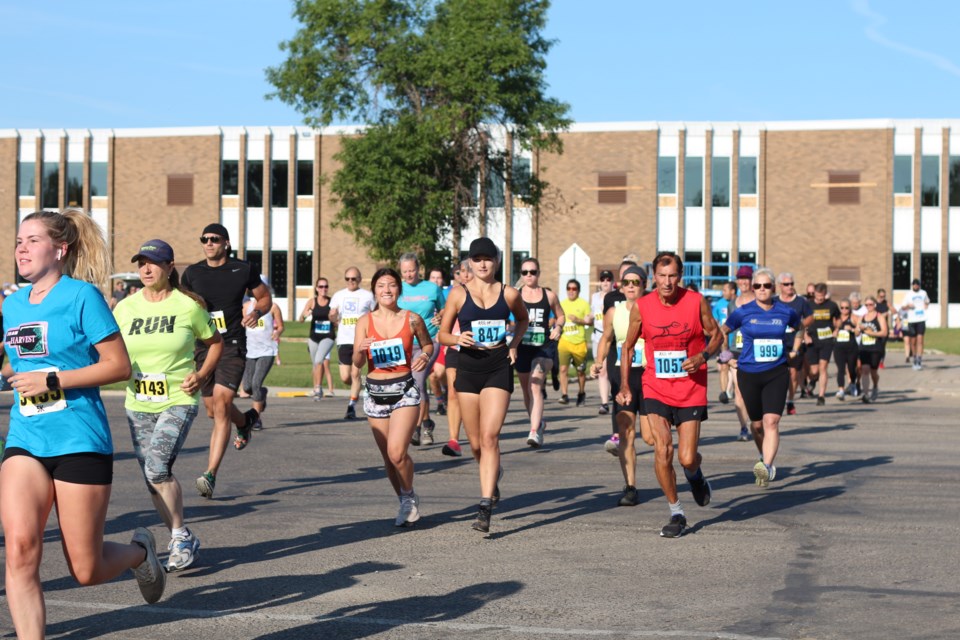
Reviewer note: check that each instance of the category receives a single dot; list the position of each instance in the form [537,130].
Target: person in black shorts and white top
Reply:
[485,364]
[346,307]
[222,282]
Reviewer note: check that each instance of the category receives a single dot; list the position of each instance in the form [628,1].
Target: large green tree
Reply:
[427,78]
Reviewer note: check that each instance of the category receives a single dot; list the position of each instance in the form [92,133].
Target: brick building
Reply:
[857,204]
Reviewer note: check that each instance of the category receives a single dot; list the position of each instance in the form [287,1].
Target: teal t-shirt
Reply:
[59,333]
[425,300]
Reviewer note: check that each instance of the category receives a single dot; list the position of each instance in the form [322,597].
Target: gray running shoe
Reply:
[415,438]
[630,498]
[150,574]
[206,484]
[764,474]
[426,432]
[874,393]
[183,551]
[409,511]
[482,523]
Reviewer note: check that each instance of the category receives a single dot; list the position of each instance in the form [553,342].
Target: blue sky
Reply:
[116,64]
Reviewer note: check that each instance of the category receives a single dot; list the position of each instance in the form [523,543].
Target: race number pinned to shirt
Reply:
[824,333]
[388,353]
[260,326]
[843,335]
[321,326]
[534,336]
[669,364]
[489,333]
[219,321]
[570,328]
[638,359]
[150,387]
[767,350]
[867,341]
[47,402]
[738,341]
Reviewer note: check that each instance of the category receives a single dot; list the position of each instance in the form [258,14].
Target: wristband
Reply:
[706,356]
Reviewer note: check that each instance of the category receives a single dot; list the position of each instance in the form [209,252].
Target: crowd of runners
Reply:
[211,332]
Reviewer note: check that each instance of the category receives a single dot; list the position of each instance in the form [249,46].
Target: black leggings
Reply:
[846,360]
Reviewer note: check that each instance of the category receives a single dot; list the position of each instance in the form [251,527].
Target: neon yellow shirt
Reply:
[160,340]
[575,333]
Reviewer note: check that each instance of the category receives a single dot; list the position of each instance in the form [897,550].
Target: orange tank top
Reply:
[390,354]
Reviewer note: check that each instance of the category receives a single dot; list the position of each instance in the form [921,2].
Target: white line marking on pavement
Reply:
[386,622]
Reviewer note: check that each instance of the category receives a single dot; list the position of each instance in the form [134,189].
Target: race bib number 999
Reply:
[767,350]
[489,333]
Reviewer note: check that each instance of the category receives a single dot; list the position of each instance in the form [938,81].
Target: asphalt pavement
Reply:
[858,536]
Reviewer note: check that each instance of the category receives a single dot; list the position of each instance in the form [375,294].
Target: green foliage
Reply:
[428,78]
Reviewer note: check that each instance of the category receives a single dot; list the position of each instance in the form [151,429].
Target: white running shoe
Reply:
[183,551]
[409,510]
[535,438]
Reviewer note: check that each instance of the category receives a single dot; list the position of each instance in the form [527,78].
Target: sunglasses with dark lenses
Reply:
[844,308]
[573,289]
[630,283]
[529,272]
[786,284]
[762,285]
[352,279]
[605,279]
[323,286]
[208,239]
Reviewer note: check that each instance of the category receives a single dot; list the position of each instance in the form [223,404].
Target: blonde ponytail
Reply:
[87,256]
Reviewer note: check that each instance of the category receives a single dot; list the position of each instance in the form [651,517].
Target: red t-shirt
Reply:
[671,335]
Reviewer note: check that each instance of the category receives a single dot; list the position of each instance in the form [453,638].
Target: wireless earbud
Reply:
[59,254]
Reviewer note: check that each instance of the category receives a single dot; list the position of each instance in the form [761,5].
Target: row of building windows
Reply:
[50,182]
[693,183]
[279,181]
[929,179]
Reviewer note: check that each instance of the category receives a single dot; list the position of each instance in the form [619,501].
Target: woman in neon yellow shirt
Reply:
[160,325]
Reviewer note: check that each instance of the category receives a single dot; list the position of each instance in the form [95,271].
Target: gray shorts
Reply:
[319,351]
[407,395]
[421,376]
[158,438]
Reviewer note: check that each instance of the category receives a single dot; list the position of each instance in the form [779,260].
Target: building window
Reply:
[521,177]
[255,258]
[902,271]
[74,184]
[279,182]
[747,176]
[230,178]
[903,174]
[612,188]
[720,182]
[304,275]
[954,184]
[255,183]
[953,278]
[930,181]
[28,177]
[747,257]
[180,190]
[495,194]
[50,181]
[930,275]
[843,193]
[305,178]
[278,273]
[98,178]
[693,181]
[720,269]
[666,175]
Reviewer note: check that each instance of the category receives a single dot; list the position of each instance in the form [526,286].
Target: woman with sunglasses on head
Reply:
[322,335]
[485,362]
[63,344]
[846,350]
[538,348]
[160,325]
[617,321]
[762,375]
[872,329]
[383,341]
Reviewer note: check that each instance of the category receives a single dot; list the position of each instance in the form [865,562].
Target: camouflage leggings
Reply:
[157,439]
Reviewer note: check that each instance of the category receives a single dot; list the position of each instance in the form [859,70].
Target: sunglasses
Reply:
[762,285]
[529,272]
[323,286]
[209,239]
[786,284]
[606,279]
[844,308]
[352,279]
[630,283]
[573,289]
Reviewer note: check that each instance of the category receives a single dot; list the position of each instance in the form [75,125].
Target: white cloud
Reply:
[872,32]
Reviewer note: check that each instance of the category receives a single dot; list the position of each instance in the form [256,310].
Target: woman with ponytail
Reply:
[63,344]
[160,325]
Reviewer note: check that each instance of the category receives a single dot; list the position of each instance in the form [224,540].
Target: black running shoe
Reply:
[581,399]
[821,401]
[724,398]
[675,528]
[629,497]
[701,491]
[482,523]
[604,409]
[564,399]
[441,408]
[555,380]
[415,438]
[351,413]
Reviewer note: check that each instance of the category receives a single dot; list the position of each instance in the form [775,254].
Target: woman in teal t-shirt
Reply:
[160,325]
[62,345]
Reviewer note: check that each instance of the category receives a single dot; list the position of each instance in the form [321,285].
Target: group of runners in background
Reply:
[206,334]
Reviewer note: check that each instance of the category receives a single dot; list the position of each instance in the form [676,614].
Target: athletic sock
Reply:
[486,502]
[182,532]
[676,509]
[352,402]
[691,477]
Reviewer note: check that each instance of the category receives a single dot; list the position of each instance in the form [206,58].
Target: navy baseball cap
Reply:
[156,250]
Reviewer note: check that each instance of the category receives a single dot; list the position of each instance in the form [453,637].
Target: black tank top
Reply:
[320,327]
[870,343]
[538,332]
[491,329]
[846,340]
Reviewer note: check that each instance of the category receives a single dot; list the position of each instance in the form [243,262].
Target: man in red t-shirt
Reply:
[673,321]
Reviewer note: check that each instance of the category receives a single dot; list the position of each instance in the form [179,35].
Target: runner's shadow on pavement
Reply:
[364,474]
[375,618]
[223,598]
[557,504]
[803,431]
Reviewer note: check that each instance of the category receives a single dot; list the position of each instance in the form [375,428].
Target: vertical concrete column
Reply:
[535,214]
[508,213]
[240,244]
[735,199]
[62,178]
[317,209]
[707,205]
[292,228]
[917,193]
[266,262]
[681,191]
[112,187]
[762,198]
[85,202]
[944,266]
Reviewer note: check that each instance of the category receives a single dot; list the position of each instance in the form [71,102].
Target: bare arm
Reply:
[454,301]
[193,381]
[307,309]
[626,353]
[512,296]
[277,321]
[360,342]
[561,319]
[423,339]
[114,366]
[603,346]
[261,308]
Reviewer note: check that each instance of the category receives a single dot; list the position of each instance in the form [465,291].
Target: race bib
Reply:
[918,314]
[388,353]
[150,387]
[534,336]
[843,335]
[489,333]
[219,321]
[321,326]
[47,402]
[824,333]
[638,357]
[668,364]
[260,326]
[767,350]
[570,328]
[738,341]
[347,322]
[867,341]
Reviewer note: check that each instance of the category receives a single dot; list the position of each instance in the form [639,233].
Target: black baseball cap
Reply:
[156,250]
[218,229]
[484,247]
[606,275]
[916,281]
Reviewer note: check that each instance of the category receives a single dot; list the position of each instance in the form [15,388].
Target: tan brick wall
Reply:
[571,214]
[804,234]
[8,207]
[139,196]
